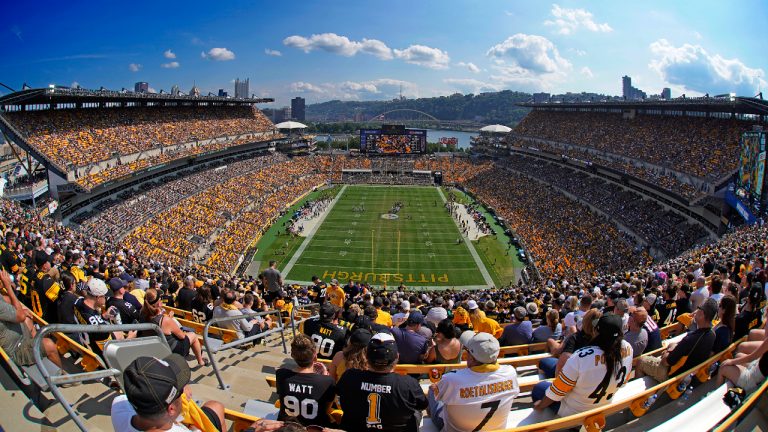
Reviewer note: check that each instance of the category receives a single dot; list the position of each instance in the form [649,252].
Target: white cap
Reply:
[482,346]
[405,305]
[97,287]
[471,305]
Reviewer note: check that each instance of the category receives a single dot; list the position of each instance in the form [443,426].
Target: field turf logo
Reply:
[386,277]
[389,216]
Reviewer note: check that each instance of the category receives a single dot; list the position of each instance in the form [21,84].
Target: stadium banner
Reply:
[386,277]
[449,141]
[732,200]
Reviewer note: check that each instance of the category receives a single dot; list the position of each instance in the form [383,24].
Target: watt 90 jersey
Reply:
[583,383]
[329,338]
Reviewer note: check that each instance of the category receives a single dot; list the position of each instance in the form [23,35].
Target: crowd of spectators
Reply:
[657,177]
[662,229]
[700,146]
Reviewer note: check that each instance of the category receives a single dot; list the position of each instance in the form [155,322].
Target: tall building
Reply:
[629,92]
[282,114]
[666,93]
[540,97]
[241,88]
[297,109]
[175,90]
[141,87]
[222,93]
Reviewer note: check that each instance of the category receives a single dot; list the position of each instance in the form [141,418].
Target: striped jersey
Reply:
[584,384]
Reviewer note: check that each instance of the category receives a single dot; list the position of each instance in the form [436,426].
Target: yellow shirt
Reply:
[335,295]
[384,318]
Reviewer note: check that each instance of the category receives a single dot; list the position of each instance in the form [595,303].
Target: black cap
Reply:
[116,283]
[151,384]
[609,325]
[328,311]
[382,350]
[361,337]
[41,258]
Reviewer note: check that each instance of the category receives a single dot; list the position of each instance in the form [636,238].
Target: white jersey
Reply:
[582,384]
[477,398]
[574,318]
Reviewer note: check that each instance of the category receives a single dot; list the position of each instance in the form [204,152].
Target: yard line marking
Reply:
[470,246]
[305,243]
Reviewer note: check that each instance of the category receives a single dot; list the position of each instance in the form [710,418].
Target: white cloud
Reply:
[169,54]
[134,67]
[305,87]
[692,67]
[587,72]
[471,85]
[536,54]
[341,45]
[421,55]
[471,66]
[354,90]
[578,52]
[568,21]
[508,13]
[218,54]
[273,53]
[170,65]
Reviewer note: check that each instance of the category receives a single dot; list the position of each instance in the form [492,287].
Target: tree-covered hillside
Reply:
[496,107]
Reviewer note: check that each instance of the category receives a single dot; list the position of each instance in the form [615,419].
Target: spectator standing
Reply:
[186,294]
[335,294]
[412,345]
[273,282]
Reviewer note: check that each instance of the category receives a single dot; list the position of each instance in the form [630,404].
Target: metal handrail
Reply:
[54,381]
[294,323]
[206,338]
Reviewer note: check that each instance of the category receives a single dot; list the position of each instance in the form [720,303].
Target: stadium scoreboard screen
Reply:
[750,184]
[393,139]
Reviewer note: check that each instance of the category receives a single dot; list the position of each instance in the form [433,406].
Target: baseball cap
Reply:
[436,314]
[382,350]
[482,346]
[472,305]
[116,283]
[709,307]
[609,325]
[151,384]
[41,257]
[361,337]
[96,287]
[416,317]
[334,281]
[126,277]
[405,305]
[328,311]
[532,308]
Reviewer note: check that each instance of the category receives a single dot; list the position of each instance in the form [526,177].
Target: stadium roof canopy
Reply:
[496,128]
[734,105]
[63,95]
[290,125]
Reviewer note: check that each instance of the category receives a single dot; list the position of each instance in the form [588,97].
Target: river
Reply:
[434,135]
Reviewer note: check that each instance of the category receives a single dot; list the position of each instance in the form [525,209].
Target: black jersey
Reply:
[128,312]
[201,312]
[26,284]
[305,396]
[317,292]
[329,338]
[382,402]
[667,312]
[88,316]
[44,296]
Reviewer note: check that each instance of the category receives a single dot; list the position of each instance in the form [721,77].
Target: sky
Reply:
[370,50]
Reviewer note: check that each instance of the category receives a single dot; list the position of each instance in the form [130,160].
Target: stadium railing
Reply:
[303,313]
[53,379]
[90,361]
[212,346]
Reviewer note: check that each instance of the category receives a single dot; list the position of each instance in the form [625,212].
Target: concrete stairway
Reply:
[242,370]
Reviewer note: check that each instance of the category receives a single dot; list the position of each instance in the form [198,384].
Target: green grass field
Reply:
[418,248]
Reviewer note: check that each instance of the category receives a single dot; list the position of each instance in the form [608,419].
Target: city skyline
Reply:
[370,51]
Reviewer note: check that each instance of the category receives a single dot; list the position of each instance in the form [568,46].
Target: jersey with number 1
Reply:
[584,384]
[329,338]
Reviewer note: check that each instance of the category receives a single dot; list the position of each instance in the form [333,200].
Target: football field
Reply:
[388,235]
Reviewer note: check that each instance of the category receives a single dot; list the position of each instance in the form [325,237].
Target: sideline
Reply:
[472,251]
[296,255]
